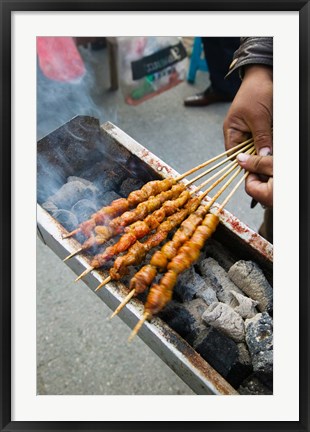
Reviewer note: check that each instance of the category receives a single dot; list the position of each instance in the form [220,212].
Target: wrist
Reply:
[258,71]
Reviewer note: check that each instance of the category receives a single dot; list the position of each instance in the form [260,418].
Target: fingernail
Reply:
[242,157]
[264,151]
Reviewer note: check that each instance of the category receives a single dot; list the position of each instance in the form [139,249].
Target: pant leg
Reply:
[219,52]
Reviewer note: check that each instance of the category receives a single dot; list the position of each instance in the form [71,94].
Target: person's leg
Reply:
[219,53]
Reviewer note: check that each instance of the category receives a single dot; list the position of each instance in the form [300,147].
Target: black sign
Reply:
[158,61]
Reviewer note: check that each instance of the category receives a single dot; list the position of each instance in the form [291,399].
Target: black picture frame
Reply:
[7,7]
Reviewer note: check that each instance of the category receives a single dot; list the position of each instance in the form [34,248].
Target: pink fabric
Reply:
[59,58]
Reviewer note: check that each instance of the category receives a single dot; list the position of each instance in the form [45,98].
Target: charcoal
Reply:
[217,349]
[242,368]
[80,154]
[196,308]
[189,283]
[106,181]
[106,198]
[72,192]
[208,295]
[259,339]
[253,386]
[251,280]
[246,308]
[185,318]
[67,219]
[83,209]
[129,185]
[93,172]
[179,319]
[80,179]
[104,169]
[225,319]
[49,206]
[217,279]
[217,251]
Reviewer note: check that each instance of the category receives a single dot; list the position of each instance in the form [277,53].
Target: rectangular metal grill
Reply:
[60,151]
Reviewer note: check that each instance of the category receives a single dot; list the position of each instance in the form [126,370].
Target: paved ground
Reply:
[78,350]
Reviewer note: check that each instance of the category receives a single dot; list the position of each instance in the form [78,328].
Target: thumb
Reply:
[256,164]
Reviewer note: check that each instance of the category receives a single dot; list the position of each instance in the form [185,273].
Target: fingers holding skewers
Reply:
[259,184]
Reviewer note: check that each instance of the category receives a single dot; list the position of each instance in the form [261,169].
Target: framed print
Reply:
[99,99]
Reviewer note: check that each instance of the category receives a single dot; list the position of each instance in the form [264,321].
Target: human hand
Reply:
[258,184]
[250,113]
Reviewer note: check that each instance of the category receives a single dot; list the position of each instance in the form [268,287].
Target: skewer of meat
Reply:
[118,224]
[119,206]
[160,294]
[139,250]
[140,229]
[145,276]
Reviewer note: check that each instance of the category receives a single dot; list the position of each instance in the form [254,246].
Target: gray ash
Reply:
[105,198]
[66,218]
[188,285]
[251,280]
[83,209]
[72,192]
[105,175]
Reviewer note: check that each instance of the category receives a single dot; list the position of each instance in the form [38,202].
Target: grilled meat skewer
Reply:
[119,206]
[140,229]
[118,224]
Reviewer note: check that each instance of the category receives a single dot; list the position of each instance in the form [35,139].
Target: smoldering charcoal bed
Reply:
[217,332]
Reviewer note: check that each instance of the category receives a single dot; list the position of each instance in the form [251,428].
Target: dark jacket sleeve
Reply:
[252,50]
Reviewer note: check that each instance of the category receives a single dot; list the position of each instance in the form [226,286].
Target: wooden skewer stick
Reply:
[231,164]
[85,272]
[215,158]
[70,234]
[123,303]
[73,254]
[139,325]
[232,192]
[107,280]
[247,147]
[227,170]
